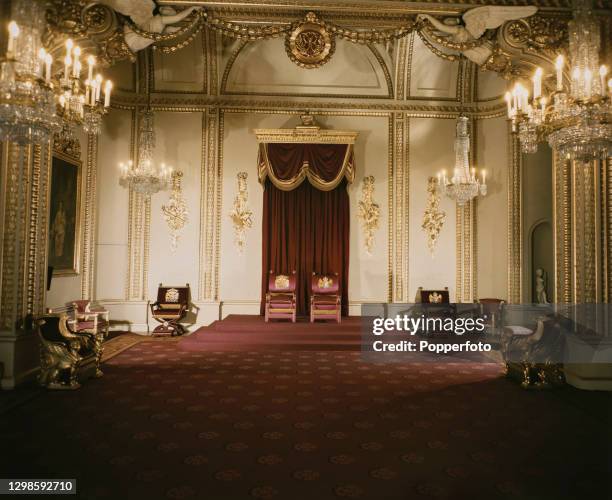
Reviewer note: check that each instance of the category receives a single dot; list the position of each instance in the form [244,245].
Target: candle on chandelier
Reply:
[484,177]
[81,102]
[107,93]
[69,45]
[603,72]
[588,81]
[444,177]
[92,92]
[48,61]
[91,60]
[76,68]
[67,64]
[559,67]
[508,98]
[42,53]
[98,86]
[576,82]
[13,30]
[610,88]
[537,83]
[543,102]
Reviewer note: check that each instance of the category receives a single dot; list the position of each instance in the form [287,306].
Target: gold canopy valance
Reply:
[289,156]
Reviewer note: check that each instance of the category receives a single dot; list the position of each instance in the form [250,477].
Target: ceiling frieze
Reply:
[198,102]
[377,8]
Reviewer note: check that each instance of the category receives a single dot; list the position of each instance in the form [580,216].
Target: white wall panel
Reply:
[111,250]
[178,138]
[492,155]
[431,150]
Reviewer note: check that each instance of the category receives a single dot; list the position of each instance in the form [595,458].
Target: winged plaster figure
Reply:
[476,22]
[142,13]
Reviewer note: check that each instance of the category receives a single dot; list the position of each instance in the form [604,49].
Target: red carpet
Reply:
[170,423]
[244,333]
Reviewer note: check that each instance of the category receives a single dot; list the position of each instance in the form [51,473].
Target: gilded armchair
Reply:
[281,300]
[66,356]
[325,298]
[532,347]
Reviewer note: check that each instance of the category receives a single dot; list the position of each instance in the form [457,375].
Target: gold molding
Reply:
[312,134]
[515,219]
[89,218]
[210,205]
[399,232]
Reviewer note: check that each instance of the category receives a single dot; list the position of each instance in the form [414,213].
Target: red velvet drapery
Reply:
[306,228]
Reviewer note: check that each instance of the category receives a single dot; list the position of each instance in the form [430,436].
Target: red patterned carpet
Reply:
[166,422]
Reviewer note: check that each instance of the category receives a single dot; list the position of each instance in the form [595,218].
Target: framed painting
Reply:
[64,215]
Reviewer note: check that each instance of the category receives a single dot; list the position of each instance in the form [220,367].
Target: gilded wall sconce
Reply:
[175,211]
[433,217]
[369,212]
[241,215]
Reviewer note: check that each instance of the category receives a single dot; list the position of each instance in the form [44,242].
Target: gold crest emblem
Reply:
[281,281]
[325,282]
[172,295]
[435,298]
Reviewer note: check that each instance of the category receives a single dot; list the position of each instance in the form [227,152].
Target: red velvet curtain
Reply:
[306,229]
[306,214]
[324,159]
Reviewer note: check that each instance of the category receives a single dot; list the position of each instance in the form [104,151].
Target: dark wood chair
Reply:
[170,308]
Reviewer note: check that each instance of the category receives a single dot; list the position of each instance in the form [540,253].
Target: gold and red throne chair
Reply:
[89,318]
[325,297]
[170,308]
[281,302]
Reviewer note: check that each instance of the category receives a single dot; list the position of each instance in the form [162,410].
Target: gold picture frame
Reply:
[64,245]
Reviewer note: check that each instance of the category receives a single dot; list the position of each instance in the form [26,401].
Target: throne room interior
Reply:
[241,148]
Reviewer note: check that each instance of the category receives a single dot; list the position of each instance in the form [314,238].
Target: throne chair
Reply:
[170,308]
[325,298]
[281,300]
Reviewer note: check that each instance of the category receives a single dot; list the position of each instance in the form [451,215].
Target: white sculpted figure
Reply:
[477,21]
[141,12]
[541,296]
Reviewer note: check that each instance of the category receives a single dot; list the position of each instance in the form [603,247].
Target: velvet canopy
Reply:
[287,165]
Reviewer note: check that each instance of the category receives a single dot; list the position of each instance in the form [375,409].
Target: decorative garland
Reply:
[198,19]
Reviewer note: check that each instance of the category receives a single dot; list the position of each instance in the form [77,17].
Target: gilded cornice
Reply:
[313,135]
[198,102]
[378,8]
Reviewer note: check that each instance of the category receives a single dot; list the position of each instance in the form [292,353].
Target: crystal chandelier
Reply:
[463,186]
[577,121]
[33,104]
[145,177]
[27,100]
[80,101]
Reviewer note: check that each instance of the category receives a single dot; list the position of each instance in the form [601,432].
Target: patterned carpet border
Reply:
[117,345]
